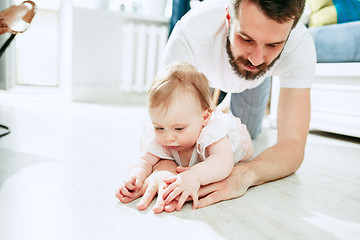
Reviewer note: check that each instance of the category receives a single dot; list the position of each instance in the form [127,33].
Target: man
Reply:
[238,48]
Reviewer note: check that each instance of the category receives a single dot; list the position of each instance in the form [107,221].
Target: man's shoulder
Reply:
[205,9]
[297,61]
[299,48]
[205,19]
[297,37]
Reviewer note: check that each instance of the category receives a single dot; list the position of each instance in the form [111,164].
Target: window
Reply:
[37,49]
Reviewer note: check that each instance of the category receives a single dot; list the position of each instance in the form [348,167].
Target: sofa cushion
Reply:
[337,43]
[326,12]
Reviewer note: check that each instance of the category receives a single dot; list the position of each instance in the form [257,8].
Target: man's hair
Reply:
[176,79]
[279,10]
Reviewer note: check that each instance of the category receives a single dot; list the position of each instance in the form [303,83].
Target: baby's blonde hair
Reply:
[177,78]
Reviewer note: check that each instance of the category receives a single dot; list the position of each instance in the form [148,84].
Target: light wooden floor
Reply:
[60,166]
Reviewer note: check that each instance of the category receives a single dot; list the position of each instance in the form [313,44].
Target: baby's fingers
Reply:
[170,180]
[138,183]
[130,184]
[168,190]
[181,201]
[186,197]
[124,191]
[176,192]
[196,203]
[123,198]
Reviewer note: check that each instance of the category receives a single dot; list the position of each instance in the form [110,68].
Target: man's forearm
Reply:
[278,161]
[166,166]
[286,156]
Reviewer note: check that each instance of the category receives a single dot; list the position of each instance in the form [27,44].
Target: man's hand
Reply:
[153,185]
[235,185]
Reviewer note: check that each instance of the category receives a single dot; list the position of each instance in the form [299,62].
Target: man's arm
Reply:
[279,160]
[286,156]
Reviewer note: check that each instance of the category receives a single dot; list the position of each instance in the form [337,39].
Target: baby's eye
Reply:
[179,129]
[159,128]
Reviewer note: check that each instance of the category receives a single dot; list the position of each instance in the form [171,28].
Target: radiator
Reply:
[142,49]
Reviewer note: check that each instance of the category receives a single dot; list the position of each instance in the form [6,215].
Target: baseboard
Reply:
[347,69]
[336,123]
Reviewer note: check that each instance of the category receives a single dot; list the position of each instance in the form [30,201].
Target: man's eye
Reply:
[245,39]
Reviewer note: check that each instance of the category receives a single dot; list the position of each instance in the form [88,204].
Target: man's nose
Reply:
[256,56]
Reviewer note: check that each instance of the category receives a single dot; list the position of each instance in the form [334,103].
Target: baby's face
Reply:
[178,126]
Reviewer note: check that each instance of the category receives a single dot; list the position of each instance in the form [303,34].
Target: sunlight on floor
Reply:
[344,229]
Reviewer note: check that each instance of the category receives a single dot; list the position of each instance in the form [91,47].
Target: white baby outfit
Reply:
[219,126]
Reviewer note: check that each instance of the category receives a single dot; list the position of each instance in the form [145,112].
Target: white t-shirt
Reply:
[220,125]
[199,38]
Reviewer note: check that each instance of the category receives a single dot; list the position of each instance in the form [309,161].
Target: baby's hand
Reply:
[134,183]
[129,186]
[184,185]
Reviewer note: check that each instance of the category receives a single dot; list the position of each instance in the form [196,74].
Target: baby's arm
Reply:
[138,172]
[216,167]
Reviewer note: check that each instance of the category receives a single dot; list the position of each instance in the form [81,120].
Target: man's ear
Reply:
[206,117]
[227,16]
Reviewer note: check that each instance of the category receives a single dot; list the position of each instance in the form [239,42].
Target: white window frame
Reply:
[64,57]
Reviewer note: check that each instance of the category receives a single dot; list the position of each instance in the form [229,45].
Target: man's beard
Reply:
[248,75]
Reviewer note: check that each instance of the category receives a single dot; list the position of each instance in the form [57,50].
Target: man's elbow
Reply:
[294,152]
[298,154]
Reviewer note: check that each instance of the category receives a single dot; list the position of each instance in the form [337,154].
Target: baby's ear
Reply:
[206,117]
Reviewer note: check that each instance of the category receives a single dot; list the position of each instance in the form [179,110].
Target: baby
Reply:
[184,128]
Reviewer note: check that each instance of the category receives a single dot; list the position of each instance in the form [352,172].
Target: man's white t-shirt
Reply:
[199,38]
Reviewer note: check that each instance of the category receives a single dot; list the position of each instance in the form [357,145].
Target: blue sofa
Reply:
[337,42]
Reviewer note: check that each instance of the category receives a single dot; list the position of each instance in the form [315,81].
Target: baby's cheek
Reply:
[191,138]
[158,138]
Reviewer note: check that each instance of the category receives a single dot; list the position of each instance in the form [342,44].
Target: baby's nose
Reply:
[170,137]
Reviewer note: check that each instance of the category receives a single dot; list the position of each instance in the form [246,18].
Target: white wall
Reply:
[98,51]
